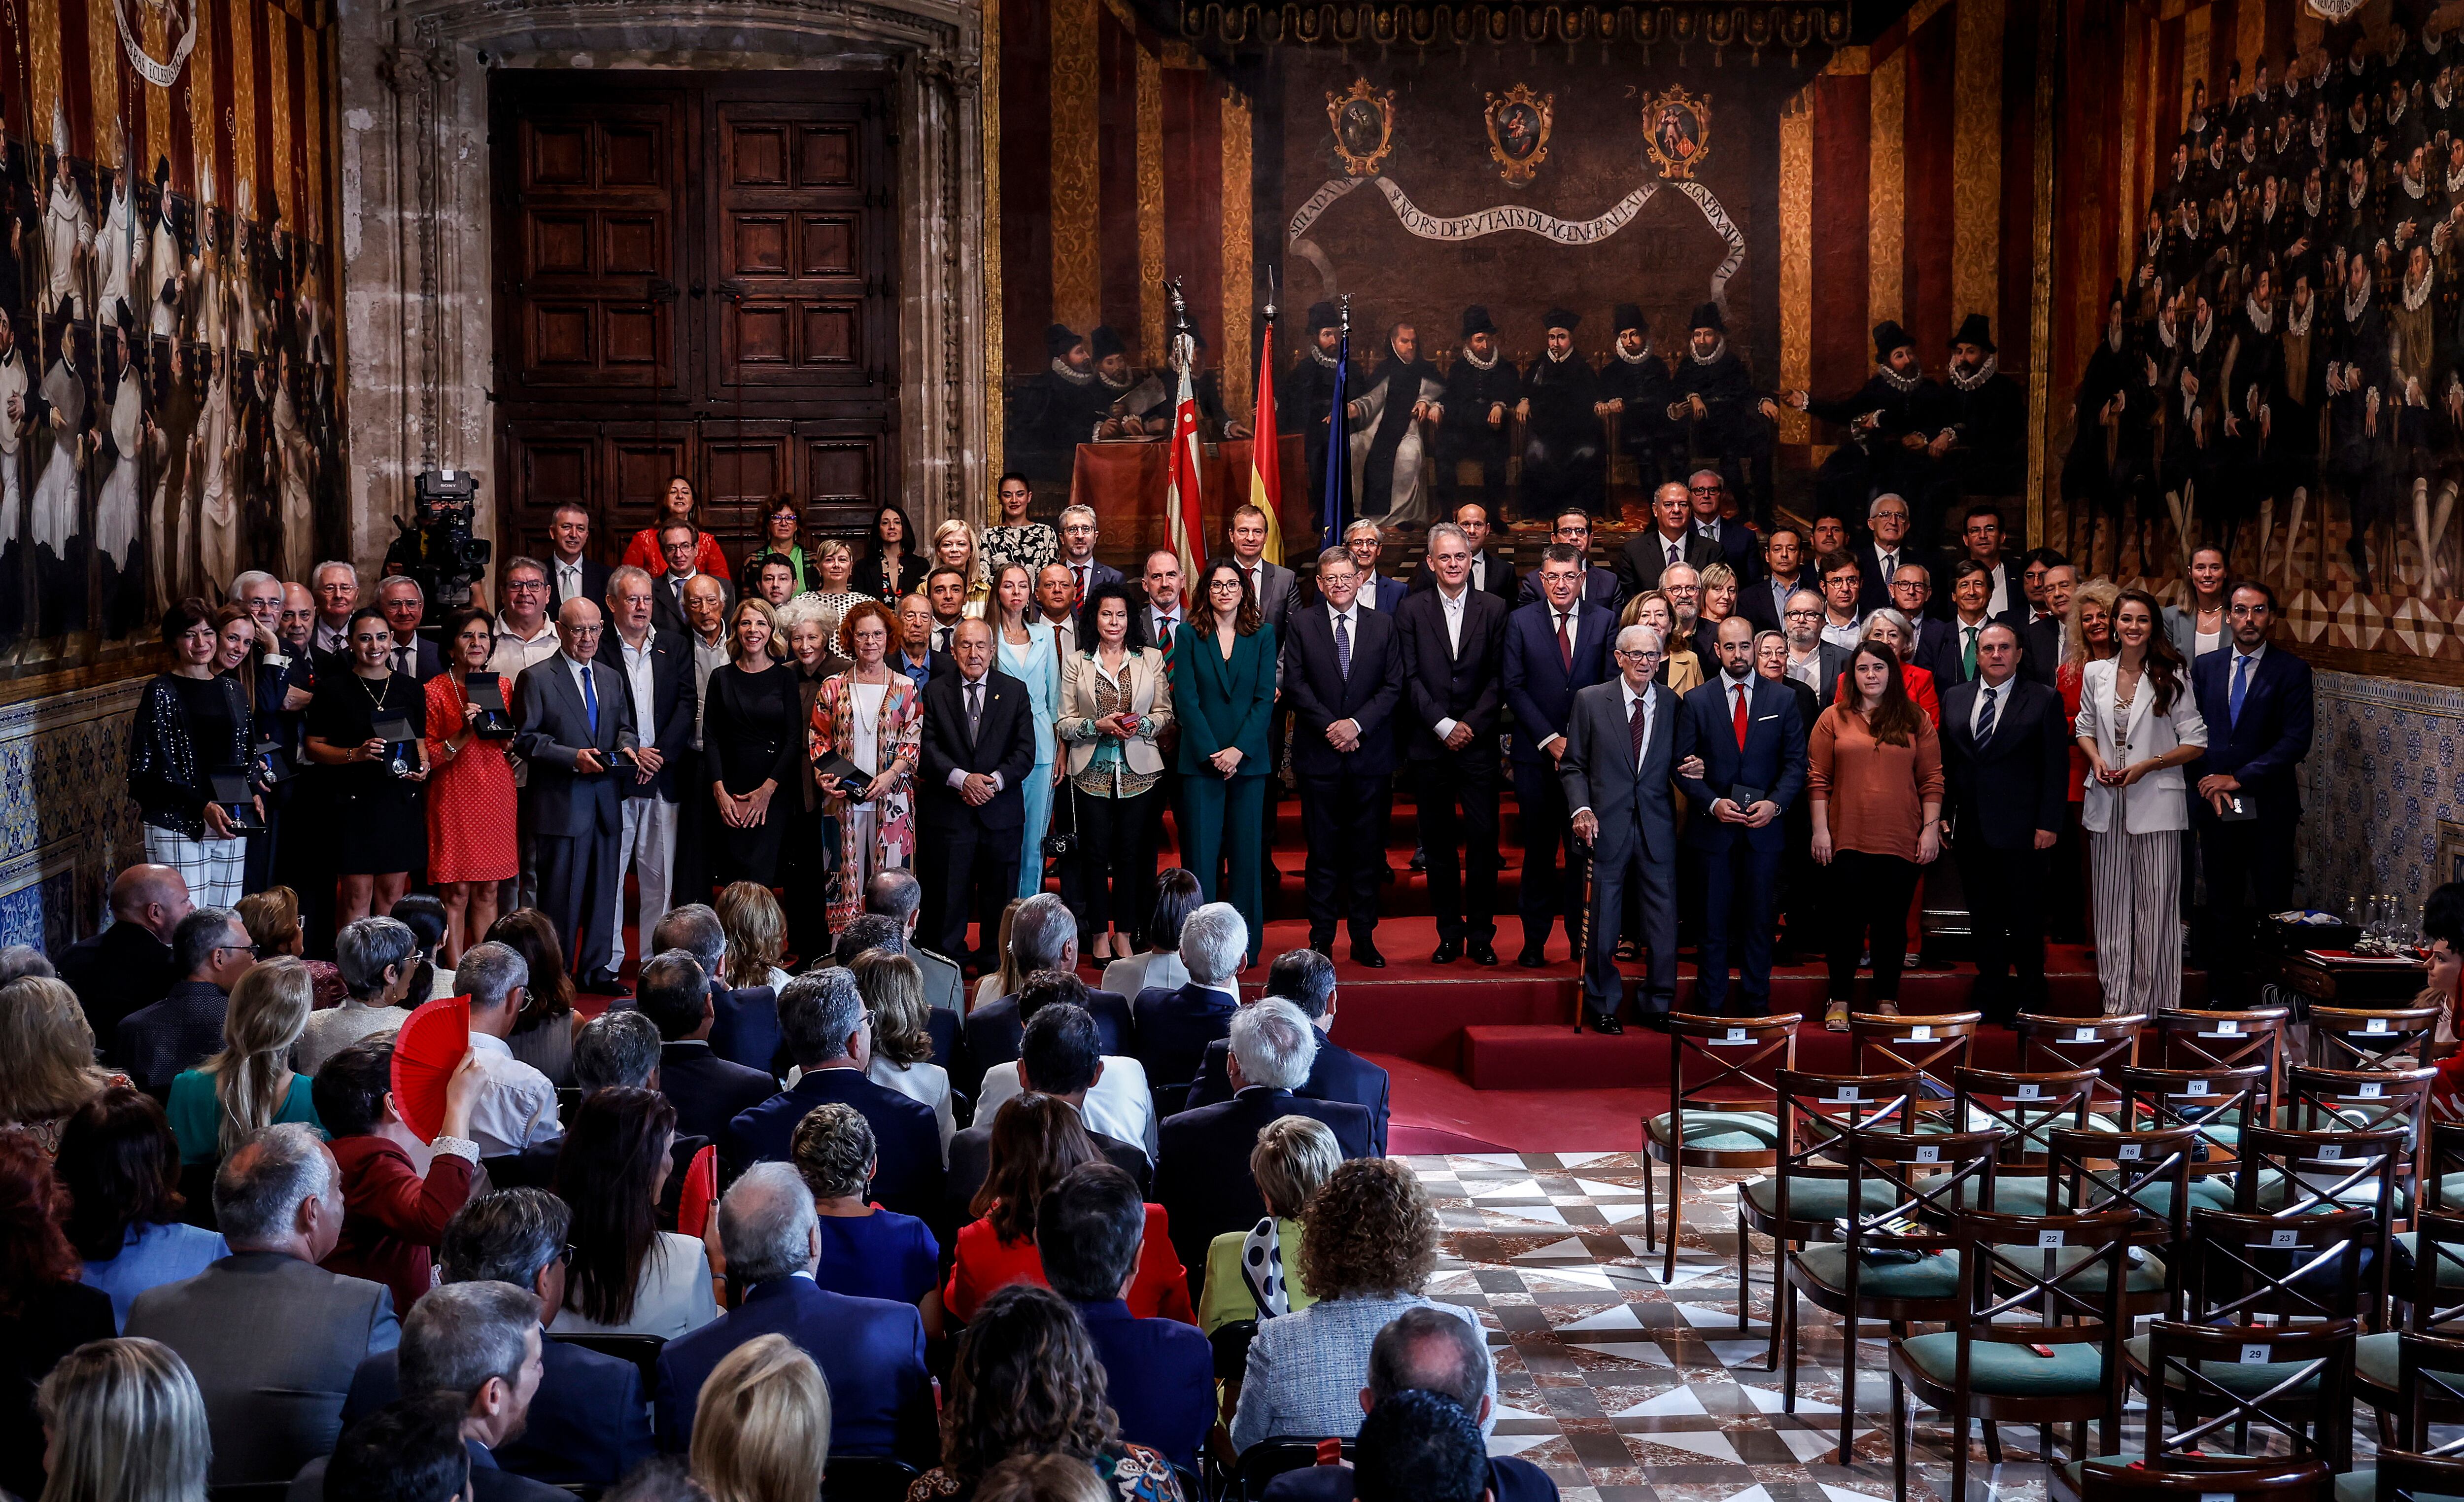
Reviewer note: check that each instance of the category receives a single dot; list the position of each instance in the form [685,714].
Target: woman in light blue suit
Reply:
[1029,654]
[1223,694]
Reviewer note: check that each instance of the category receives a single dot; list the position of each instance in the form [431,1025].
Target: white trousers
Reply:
[2137,883]
[648,845]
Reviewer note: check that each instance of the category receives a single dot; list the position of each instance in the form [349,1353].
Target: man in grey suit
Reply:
[1621,752]
[575,713]
[1812,661]
[272,1338]
[896,893]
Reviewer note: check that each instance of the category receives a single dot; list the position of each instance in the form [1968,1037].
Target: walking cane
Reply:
[1583,944]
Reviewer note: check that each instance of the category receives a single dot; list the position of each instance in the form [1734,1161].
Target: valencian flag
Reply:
[1339,441]
[1185,527]
[1265,452]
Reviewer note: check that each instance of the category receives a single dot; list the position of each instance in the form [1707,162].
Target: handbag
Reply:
[1059,844]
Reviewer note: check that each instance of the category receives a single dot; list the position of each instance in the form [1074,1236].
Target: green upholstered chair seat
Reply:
[1721,1130]
[2020,1191]
[2010,1371]
[1817,1199]
[2363,1486]
[2244,1378]
[2375,1360]
[2148,1276]
[1935,1275]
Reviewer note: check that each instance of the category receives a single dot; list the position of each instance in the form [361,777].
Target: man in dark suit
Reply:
[1797,915]
[1202,1176]
[1751,742]
[823,1018]
[1705,499]
[1364,542]
[871,1351]
[1621,753]
[1936,647]
[1159,1374]
[1813,660]
[978,746]
[1981,534]
[414,656]
[1175,1023]
[1042,936]
[744,1021]
[571,574]
[2256,699]
[1342,675]
[707,1090]
[1554,648]
[658,672]
[2040,640]
[129,965]
[1491,572]
[680,544]
[1078,533]
[1764,601]
[1454,641]
[210,950]
[574,713]
[1671,540]
[2006,757]
[1060,1056]
[1887,548]
[1306,979]
[1970,587]
[1571,527]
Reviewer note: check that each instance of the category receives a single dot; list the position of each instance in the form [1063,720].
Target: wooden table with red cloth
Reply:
[1124,482]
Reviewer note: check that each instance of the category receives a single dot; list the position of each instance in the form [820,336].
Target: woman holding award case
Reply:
[865,740]
[367,728]
[470,838]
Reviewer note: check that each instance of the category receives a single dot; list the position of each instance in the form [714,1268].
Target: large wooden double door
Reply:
[694,273]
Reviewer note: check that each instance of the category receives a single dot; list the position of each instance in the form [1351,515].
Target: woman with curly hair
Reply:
[249,1084]
[45,1312]
[543,1033]
[1027,1382]
[867,1251]
[121,1166]
[1369,1241]
[47,1068]
[870,718]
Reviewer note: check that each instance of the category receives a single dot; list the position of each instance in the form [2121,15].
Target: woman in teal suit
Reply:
[1029,654]
[1224,675]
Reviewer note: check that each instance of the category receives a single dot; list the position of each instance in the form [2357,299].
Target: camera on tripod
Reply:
[435,547]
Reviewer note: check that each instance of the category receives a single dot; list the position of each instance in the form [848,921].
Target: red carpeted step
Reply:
[1527,1057]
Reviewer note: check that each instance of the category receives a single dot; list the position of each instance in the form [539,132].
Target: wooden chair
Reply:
[1724,1108]
[2146,1172]
[2368,1037]
[2026,1107]
[1808,1192]
[2414,1476]
[2442,1165]
[2202,1040]
[2434,1252]
[2364,1100]
[2052,1282]
[2185,1478]
[1929,1177]
[2292,1175]
[2104,1044]
[2215,1102]
[2430,1388]
[1931,1046]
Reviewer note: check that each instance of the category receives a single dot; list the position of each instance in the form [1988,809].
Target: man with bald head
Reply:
[575,716]
[129,965]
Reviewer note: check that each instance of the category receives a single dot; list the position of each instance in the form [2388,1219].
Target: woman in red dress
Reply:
[470,843]
[677,505]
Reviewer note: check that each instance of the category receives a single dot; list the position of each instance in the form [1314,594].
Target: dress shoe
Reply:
[1603,1022]
[1448,951]
[604,983]
[1628,952]
[1532,958]
[1482,951]
[1323,944]
[1419,858]
[1365,955]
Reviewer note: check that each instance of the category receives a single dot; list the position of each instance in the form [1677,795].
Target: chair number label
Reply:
[2227,1030]
[1846,1092]
[2254,1356]
[2329,1152]
[2284,1238]
[2085,1035]
[1736,1035]
[2216,1496]
[1920,1035]
[2029,1092]
[2049,1238]
[2372,1091]
[2196,1087]
[2376,1024]
[2126,1152]
[1928,1155]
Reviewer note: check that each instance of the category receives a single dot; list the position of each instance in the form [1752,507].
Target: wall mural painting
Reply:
[169,410]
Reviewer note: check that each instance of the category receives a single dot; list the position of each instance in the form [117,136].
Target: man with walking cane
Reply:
[1621,755]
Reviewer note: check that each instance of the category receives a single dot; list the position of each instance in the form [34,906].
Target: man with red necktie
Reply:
[1555,647]
[1751,741]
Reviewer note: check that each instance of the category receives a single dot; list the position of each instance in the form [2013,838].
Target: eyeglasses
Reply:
[1802,615]
[250,950]
[1639,657]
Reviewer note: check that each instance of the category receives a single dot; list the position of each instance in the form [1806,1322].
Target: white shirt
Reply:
[1367,599]
[1672,549]
[567,581]
[2001,598]
[1845,637]
[1451,608]
[1571,621]
[2001,701]
[1887,561]
[637,679]
[1159,624]
[515,652]
[518,1107]
[1118,1105]
[1479,573]
[959,775]
[1806,670]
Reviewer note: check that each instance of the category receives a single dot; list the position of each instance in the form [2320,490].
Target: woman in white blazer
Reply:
[1116,702]
[2137,726]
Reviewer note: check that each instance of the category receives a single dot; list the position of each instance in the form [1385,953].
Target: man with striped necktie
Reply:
[2005,760]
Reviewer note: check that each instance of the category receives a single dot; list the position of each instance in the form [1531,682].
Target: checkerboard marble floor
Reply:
[1626,1390]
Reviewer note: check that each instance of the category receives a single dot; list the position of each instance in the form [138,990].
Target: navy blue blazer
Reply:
[490,1481]
[1509,1480]
[2261,748]
[995,1031]
[1202,1176]
[744,1028]
[1937,652]
[1320,696]
[1175,1024]
[709,1091]
[1459,682]
[871,1352]
[1158,1375]
[909,1175]
[672,702]
[1538,688]
[1774,758]
[590,1422]
[1335,1073]
[1600,587]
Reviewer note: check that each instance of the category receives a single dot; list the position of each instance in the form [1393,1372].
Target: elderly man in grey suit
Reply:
[575,714]
[272,1338]
[896,893]
[1621,752]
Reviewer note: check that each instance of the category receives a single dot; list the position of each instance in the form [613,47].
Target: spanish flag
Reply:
[1266,454]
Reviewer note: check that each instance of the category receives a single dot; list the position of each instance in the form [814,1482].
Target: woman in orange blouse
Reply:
[1036,1140]
[677,505]
[1874,776]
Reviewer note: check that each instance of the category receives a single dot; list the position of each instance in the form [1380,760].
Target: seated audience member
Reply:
[130,962]
[744,1023]
[45,1312]
[897,894]
[769,1427]
[424,915]
[1117,1102]
[250,1082]
[662,1478]
[1256,1273]
[624,1275]
[377,957]
[1203,1174]
[274,1387]
[211,952]
[1372,1242]
[393,1214]
[481,1344]
[1042,936]
[1424,1354]
[867,1251]
[1001,978]
[1061,1061]
[413,1451]
[822,1015]
[47,1068]
[1160,1373]
[1421,1448]
[519,1106]
[589,1421]
[543,1034]
[881,930]
[1043,1478]
[1027,1382]
[618,1047]
[1306,979]
[272,919]
[1175,1024]
[20,961]
[871,1350]
[674,992]
[755,930]
[1035,1142]
[1176,897]
[120,1167]
[892,988]
[121,1422]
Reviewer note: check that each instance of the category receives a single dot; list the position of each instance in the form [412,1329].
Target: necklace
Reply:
[376,695]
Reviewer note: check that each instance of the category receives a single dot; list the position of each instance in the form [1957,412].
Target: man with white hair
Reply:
[657,667]
[1366,542]
[871,1351]
[519,1108]
[273,1338]
[1175,1023]
[573,714]
[1620,743]
[1202,1176]
[1454,657]
[336,584]
[1042,936]
[403,603]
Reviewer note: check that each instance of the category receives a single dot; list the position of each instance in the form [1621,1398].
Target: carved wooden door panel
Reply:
[797,241]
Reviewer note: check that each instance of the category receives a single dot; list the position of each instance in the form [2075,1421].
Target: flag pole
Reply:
[1265,438]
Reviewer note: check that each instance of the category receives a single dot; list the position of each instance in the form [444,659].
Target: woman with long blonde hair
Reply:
[249,1084]
[756,927]
[125,1423]
[47,1068]
[954,546]
[762,1426]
